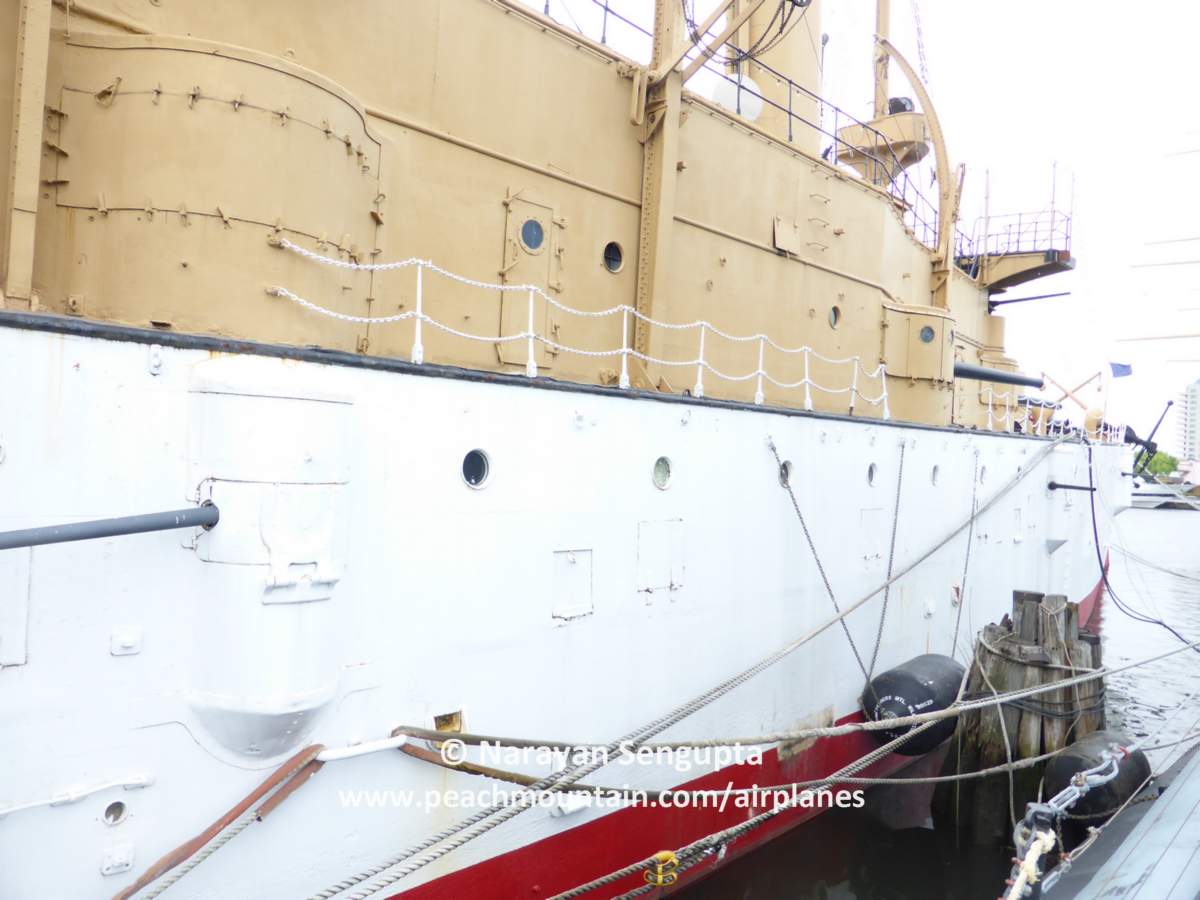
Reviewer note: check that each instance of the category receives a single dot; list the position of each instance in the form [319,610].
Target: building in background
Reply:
[1189,429]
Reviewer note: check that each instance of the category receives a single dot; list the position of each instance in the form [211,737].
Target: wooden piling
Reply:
[1039,644]
[1054,642]
[1091,699]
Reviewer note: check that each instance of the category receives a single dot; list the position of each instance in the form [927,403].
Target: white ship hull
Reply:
[355,583]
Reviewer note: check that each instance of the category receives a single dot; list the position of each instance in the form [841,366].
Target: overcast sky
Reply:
[1106,90]
[1103,89]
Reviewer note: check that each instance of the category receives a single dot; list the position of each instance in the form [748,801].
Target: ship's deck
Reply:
[91,328]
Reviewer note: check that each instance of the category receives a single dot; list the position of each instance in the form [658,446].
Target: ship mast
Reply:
[659,119]
[883,21]
[658,115]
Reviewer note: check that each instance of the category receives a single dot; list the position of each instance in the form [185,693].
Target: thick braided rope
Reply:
[670,719]
[849,727]
[234,829]
[631,869]
[962,590]
[812,548]
[503,812]
[887,592]
[693,852]
[640,795]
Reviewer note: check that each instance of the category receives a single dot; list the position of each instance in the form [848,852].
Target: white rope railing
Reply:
[1106,433]
[532,338]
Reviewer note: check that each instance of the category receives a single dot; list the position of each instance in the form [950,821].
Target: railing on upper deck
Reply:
[1006,411]
[1025,232]
[883,165]
[1009,411]
[1037,232]
[801,357]
[1049,229]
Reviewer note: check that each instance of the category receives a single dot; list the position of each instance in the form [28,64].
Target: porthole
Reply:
[662,473]
[786,470]
[475,468]
[115,813]
[982,474]
[533,235]
[835,316]
[927,334]
[933,476]
[614,257]
[871,473]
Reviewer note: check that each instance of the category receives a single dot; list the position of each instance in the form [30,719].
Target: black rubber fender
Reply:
[1088,752]
[923,684]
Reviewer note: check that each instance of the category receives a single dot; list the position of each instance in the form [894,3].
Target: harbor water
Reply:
[1155,569]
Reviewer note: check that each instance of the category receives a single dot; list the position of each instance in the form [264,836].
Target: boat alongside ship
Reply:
[528,418]
[1155,496]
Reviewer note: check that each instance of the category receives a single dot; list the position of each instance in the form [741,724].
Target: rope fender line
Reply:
[486,819]
[666,794]
[299,764]
[1141,560]
[693,853]
[1028,868]
[1040,815]
[807,733]
[696,851]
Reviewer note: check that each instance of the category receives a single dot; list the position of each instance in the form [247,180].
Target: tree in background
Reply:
[1163,464]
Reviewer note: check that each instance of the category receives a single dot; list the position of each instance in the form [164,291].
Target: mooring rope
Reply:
[719,839]
[827,731]
[1141,560]
[272,790]
[887,592]
[713,842]
[962,588]
[201,855]
[639,795]
[1008,744]
[1186,499]
[812,548]
[1028,871]
[486,819]
[1082,782]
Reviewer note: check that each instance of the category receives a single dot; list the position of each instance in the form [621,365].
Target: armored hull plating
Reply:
[357,582]
[503,351]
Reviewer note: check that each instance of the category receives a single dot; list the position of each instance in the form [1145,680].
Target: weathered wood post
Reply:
[1039,644]
[1054,641]
[1092,693]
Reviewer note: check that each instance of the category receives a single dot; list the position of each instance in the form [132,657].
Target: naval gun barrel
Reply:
[981,373]
[205,516]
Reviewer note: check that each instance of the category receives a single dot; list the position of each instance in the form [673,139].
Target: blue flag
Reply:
[1120,370]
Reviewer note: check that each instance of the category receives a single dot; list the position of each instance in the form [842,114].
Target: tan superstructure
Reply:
[159,150]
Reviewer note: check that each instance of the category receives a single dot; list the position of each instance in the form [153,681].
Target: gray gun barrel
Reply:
[205,516]
[981,373]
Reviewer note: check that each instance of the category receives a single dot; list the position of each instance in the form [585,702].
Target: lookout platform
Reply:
[1006,251]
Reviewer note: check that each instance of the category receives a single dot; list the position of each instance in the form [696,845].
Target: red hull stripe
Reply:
[1090,605]
[613,841]
[597,847]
